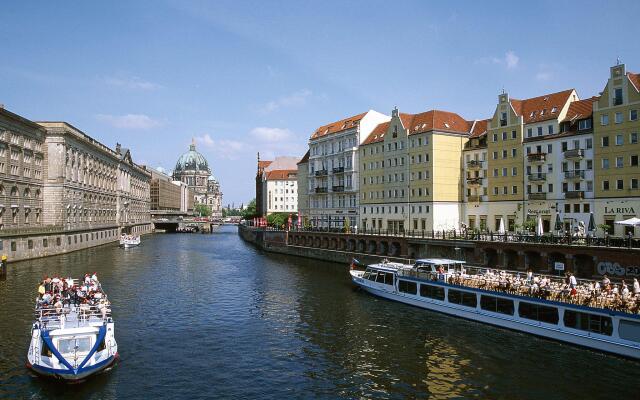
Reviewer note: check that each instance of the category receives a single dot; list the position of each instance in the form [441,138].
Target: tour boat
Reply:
[72,342]
[450,287]
[129,241]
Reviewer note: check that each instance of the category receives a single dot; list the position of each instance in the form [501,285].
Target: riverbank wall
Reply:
[25,244]
[584,261]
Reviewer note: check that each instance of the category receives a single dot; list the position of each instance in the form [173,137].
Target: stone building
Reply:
[261,208]
[165,194]
[303,193]
[133,194]
[277,185]
[193,169]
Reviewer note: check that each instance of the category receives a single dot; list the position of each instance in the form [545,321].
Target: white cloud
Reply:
[131,83]
[265,134]
[129,121]
[296,99]
[543,76]
[509,61]
[223,148]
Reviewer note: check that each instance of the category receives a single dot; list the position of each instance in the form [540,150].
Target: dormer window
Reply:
[446,125]
[554,109]
[617,97]
[503,119]
[542,112]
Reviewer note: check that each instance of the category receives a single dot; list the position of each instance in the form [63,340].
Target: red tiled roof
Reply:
[263,164]
[424,122]
[635,79]
[580,109]
[305,158]
[479,128]
[338,126]
[281,174]
[540,108]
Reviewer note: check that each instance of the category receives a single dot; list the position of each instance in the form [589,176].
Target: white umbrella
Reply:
[501,230]
[539,230]
[629,222]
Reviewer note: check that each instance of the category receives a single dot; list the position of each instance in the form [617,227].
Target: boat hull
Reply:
[505,321]
[73,376]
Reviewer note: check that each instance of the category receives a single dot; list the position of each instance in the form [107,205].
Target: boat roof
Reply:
[438,261]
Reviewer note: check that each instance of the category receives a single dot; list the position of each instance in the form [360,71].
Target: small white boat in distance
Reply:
[73,333]
[127,241]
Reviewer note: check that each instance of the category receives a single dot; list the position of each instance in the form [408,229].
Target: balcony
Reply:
[537,157]
[537,196]
[474,198]
[475,164]
[539,176]
[322,172]
[575,153]
[577,174]
[476,181]
[321,190]
[338,170]
[339,188]
[574,194]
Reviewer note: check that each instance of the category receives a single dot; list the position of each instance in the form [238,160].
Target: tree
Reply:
[347,224]
[250,211]
[277,219]
[202,210]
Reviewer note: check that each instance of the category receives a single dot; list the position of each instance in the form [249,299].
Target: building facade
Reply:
[333,174]
[303,191]
[281,191]
[261,207]
[165,194]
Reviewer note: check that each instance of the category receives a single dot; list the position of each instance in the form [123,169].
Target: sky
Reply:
[242,77]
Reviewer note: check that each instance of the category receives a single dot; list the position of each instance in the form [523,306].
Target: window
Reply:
[565,146]
[634,183]
[588,322]
[605,141]
[529,132]
[504,171]
[495,137]
[618,118]
[584,124]
[605,185]
[408,287]
[497,304]
[633,138]
[463,298]
[504,154]
[550,129]
[514,189]
[495,155]
[550,190]
[432,292]
[549,148]
[514,171]
[604,119]
[589,165]
[629,330]
[504,190]
[495,172]
[619,140]
[586,208]
[605,163]
[539,131]
[620,184]
[619,162]
[617,96]
[538,312]
[504,135]
[495,190]
[514,153]
[633,161]
[513,134]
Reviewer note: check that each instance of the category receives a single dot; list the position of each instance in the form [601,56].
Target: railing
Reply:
[474,164]
[321,172]
[321,190]
[474,198]
[537,196]
[338,188]
[476,181]
[574,194]
[576,174]
[537,157]
[338,170]
[540,176]
[575,153]
[72,316]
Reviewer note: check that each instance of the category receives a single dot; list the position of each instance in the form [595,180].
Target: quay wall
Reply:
[27,244]
[584,261]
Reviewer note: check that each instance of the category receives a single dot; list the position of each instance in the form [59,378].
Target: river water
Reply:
[210,316]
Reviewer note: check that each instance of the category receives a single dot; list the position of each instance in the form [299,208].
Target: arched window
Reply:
[2,191]
[14,191]
[27,192]
[37,193]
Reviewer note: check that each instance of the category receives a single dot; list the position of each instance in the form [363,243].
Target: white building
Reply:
[281,191]
[334,169]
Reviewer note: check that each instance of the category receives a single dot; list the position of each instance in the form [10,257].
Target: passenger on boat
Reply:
[636,286]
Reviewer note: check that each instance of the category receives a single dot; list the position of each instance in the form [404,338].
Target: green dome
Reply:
[191,161]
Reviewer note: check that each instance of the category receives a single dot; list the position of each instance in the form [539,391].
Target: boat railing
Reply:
[585,293]
[72,316]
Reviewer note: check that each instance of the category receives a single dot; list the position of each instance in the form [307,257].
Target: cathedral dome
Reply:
[192,161]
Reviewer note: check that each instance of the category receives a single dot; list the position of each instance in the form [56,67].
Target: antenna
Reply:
[618,60]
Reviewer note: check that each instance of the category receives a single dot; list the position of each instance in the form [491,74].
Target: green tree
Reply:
[347,225]
[277,219]
[250,211]
[202,210]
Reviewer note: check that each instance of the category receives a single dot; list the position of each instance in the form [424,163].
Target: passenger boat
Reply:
[507,300]
[72,341]
[127,241]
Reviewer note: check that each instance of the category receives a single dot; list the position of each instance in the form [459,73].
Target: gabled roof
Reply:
[580,109]
[264,164]
[338,126]
[305,158]
[443,121]
[281,174]
[635,80]
[541,108]
[479,128]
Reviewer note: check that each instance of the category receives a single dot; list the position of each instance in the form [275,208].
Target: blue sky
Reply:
[242,77]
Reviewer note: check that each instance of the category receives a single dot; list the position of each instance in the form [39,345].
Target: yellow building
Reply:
[616,150]
[411,172]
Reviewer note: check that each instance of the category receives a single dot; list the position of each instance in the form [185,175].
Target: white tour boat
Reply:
[72,341]
[505,299]
[127,241]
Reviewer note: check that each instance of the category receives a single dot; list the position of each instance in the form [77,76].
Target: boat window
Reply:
[380,278]
[44,349]
[103,345]
[388,278]
[496,304]
[84,344]
[407,287]
[81,344]
[372,276]
[66,346]
[431,291]
[366,275]
[463,298]
[538,312]
[629,330]
[588,322]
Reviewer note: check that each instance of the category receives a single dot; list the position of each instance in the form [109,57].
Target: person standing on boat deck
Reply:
[572,281]
[605,281]
[636,286]
[529,276]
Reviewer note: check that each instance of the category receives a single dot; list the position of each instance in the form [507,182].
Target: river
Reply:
[210,316]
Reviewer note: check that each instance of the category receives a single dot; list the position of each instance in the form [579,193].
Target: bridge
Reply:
[174,221]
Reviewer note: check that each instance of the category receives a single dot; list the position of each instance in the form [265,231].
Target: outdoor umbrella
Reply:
[539,230]
[592,223]
[558,226]
[629,222]
[501,230]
